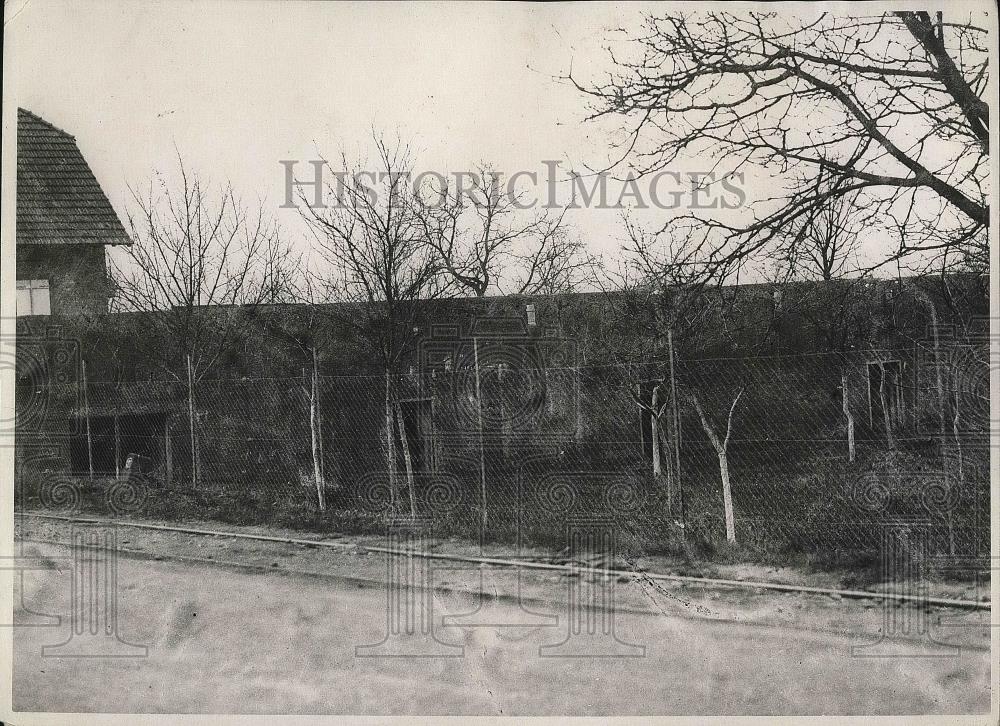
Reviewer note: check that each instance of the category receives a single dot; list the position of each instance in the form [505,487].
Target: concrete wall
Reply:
[253,411]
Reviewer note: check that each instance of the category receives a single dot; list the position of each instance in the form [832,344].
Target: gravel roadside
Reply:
[540,590]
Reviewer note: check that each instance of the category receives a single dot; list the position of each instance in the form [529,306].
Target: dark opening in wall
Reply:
[113,438]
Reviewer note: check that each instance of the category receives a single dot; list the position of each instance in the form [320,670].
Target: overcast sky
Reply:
[238,86]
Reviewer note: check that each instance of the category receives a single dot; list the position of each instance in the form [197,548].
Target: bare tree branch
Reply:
[485,239]
[200,263]
[890,109]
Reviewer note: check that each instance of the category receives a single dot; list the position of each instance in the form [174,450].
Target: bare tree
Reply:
[485,239]
[826,247]
[308,336]
[654,297]
[721,447]
[889,107]
[199,263]
[660,294]
[376,263]
[312,394]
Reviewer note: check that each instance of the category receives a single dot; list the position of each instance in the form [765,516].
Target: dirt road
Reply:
[224,640]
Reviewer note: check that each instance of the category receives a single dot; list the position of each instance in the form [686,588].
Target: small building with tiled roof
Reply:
[64,223]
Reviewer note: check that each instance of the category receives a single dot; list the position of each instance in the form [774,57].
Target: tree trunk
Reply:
[848,416]
[319,418]
[668,472]
[390,447]
[661,446]
[727,496]
[675,434]
[314,441]
[654,431]
[191,424]
[721,449]
[407,460]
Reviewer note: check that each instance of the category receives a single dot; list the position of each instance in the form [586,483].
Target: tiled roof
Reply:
[58,199]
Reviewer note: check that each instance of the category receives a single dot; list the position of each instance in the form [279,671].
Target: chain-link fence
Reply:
[507,439]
